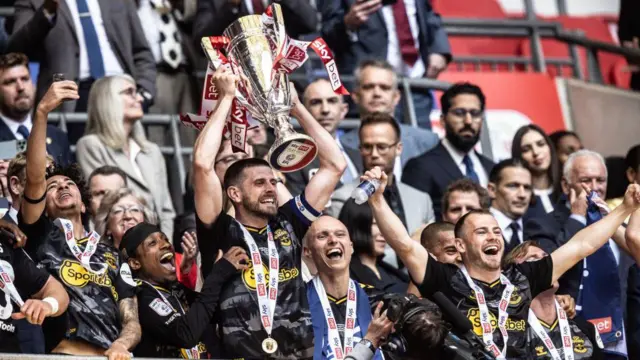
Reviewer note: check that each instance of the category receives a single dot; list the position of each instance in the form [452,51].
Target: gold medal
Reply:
[269,345]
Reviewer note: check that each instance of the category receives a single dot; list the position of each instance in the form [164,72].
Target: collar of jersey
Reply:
[157,287]
[82,241]
[555,323]
[491,285]
[256,230]
[344,298]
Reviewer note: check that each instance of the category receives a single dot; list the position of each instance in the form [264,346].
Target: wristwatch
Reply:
[368,344]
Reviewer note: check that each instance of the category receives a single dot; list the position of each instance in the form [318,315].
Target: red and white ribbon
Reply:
[485,317]
[565,333]
[83,256]
[340,349]
[267,295]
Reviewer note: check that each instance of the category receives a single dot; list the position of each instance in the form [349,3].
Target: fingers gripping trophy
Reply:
[258,50]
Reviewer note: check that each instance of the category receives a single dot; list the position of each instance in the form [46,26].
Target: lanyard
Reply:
[83,257]
[191,353]
[485,320]
[9,289]
[335,347]
[565,332]
[266,297]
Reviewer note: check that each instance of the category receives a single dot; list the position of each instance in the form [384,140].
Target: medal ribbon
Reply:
[266,296]
[84,257]
[192,353]
[565,332]
[339,349]
[7,286]
[485,319]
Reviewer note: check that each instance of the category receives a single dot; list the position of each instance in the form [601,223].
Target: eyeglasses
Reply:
[476,114]
[382,148]
[129,92]
[132,209]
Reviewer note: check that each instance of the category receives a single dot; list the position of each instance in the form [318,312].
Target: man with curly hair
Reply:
[102,319]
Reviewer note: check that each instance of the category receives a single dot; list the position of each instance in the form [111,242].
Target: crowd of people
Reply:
[532,257]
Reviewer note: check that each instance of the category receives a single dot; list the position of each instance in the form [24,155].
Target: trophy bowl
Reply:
[252,50]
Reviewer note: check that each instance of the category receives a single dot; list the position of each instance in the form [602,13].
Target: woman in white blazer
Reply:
[114,136]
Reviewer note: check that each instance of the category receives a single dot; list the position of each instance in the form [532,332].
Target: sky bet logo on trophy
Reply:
[257,48]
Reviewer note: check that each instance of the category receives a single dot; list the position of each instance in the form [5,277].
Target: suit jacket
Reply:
[372,36]
[57,142]
[433,171]
[298,180]
[55,44]
[418,207]
[214,16]
[551,231]
[153,187]
[415,141]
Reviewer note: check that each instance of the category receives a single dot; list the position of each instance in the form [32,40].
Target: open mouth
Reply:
[168,261]
[64,195]
[491,250]
[334,254]
[268,201]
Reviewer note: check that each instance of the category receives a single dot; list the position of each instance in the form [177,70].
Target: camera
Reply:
[434,329]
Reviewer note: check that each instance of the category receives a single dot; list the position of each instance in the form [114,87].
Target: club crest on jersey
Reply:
[160,307]
[282,236]
[579,345]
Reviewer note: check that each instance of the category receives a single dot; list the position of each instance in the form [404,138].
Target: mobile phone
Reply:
[58,77]
[388,2]
[9,149]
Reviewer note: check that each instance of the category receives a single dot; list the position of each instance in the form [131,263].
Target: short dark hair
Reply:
[10,60]
[632,160]
[458,89]
[426,327]
[518,252]
[430,233]
[73,172]
[555,171]
[358,220]
[466,185]
[235,172]
[376,118]
[496,172]
[375,63]
[459,227]
[556,136]
[107,170]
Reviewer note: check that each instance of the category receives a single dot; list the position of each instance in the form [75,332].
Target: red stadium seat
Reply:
[469,9]
[594,27]
[620,74]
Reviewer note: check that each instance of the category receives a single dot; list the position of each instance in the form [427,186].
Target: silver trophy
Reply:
[251,51]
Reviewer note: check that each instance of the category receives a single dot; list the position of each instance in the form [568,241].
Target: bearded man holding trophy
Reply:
[263,311]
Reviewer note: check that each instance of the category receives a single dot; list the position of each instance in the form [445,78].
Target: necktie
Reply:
[471,172]
[170,39]
[22,130]
[515,238]
[258,6]
[403,30]
[96,65]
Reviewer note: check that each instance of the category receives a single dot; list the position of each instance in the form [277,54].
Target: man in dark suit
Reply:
[213,16]
[16,105]
[586,170]
[463,107]
[408,34]
[329,109]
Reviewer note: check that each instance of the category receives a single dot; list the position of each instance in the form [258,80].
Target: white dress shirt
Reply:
[504,221]
[394,56]
[134,150]
[545,197]
[111,64]
[14,125]
[458,156]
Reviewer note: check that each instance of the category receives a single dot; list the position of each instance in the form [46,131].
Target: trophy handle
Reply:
[291,151]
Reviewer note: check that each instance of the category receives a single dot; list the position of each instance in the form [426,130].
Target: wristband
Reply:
[54,304]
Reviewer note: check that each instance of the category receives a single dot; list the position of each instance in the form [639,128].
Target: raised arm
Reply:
[332,162]
[590,239]
[412,254]
[36,184]
[207,187]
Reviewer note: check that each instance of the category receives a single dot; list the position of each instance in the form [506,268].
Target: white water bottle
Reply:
[364,191]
